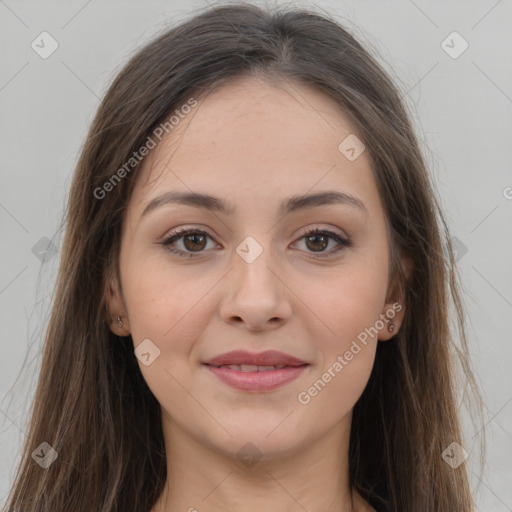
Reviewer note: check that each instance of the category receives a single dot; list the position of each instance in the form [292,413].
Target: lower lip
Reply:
[257,381]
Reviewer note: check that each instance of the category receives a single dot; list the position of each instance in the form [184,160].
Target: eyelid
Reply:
[180,233]
[308,231]
[343,241]
[186,229]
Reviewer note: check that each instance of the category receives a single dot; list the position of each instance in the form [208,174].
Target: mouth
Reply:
[251,367]
[256,372]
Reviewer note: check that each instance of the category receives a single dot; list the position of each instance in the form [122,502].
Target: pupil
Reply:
[316,237]
[189,237]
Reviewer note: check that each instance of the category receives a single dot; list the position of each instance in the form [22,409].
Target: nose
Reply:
[255,294]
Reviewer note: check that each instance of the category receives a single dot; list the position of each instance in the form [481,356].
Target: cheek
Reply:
[349,303]
[164,301]
[350,299]
[350,306]
[334,391]
[170,308]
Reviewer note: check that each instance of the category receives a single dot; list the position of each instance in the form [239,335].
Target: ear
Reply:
[393,312]
[117,313]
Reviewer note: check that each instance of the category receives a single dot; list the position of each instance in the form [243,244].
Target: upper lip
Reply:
[267,358]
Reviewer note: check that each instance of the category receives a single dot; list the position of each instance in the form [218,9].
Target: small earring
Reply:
[391,327]
[120,321]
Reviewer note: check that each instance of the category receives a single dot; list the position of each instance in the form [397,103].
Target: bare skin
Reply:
[254,145]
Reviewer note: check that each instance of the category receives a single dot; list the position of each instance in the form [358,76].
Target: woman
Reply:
[252,304]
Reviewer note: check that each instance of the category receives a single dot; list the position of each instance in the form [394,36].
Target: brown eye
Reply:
[194,242]
[318,242]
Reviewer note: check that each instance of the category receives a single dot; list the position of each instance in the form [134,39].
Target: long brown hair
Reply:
[92,404]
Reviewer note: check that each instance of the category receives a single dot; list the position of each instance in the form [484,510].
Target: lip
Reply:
[267,358]
[257,381]
[266,380]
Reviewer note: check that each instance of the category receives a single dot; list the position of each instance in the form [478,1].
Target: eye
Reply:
[194,240]
[318,240]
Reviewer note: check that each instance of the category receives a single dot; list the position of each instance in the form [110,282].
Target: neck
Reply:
[313,477]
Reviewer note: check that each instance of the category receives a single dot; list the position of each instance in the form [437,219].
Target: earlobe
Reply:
[118,317]
[392,317]
[117,326]
[394,310]
[391,321]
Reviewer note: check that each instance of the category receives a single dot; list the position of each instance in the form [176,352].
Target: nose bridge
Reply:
[253,261]
[255,294]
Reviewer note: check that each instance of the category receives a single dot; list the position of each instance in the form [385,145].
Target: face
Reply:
[253,277]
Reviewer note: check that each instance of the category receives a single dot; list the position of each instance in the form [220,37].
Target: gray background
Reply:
[461,106]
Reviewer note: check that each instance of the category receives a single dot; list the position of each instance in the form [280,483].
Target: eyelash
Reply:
[343,242]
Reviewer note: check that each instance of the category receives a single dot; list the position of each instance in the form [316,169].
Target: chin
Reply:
[270,438]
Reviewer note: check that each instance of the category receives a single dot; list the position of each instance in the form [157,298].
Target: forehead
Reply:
[253,138]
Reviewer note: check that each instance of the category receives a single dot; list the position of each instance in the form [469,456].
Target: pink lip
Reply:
[267,358]
[254,380]
[257,381]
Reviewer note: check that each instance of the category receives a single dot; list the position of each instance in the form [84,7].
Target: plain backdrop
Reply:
[462,103]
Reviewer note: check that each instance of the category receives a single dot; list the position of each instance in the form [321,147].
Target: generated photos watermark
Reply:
[138,156]
[304,397]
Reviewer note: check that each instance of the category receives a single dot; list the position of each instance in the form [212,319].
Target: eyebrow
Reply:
[292,204]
